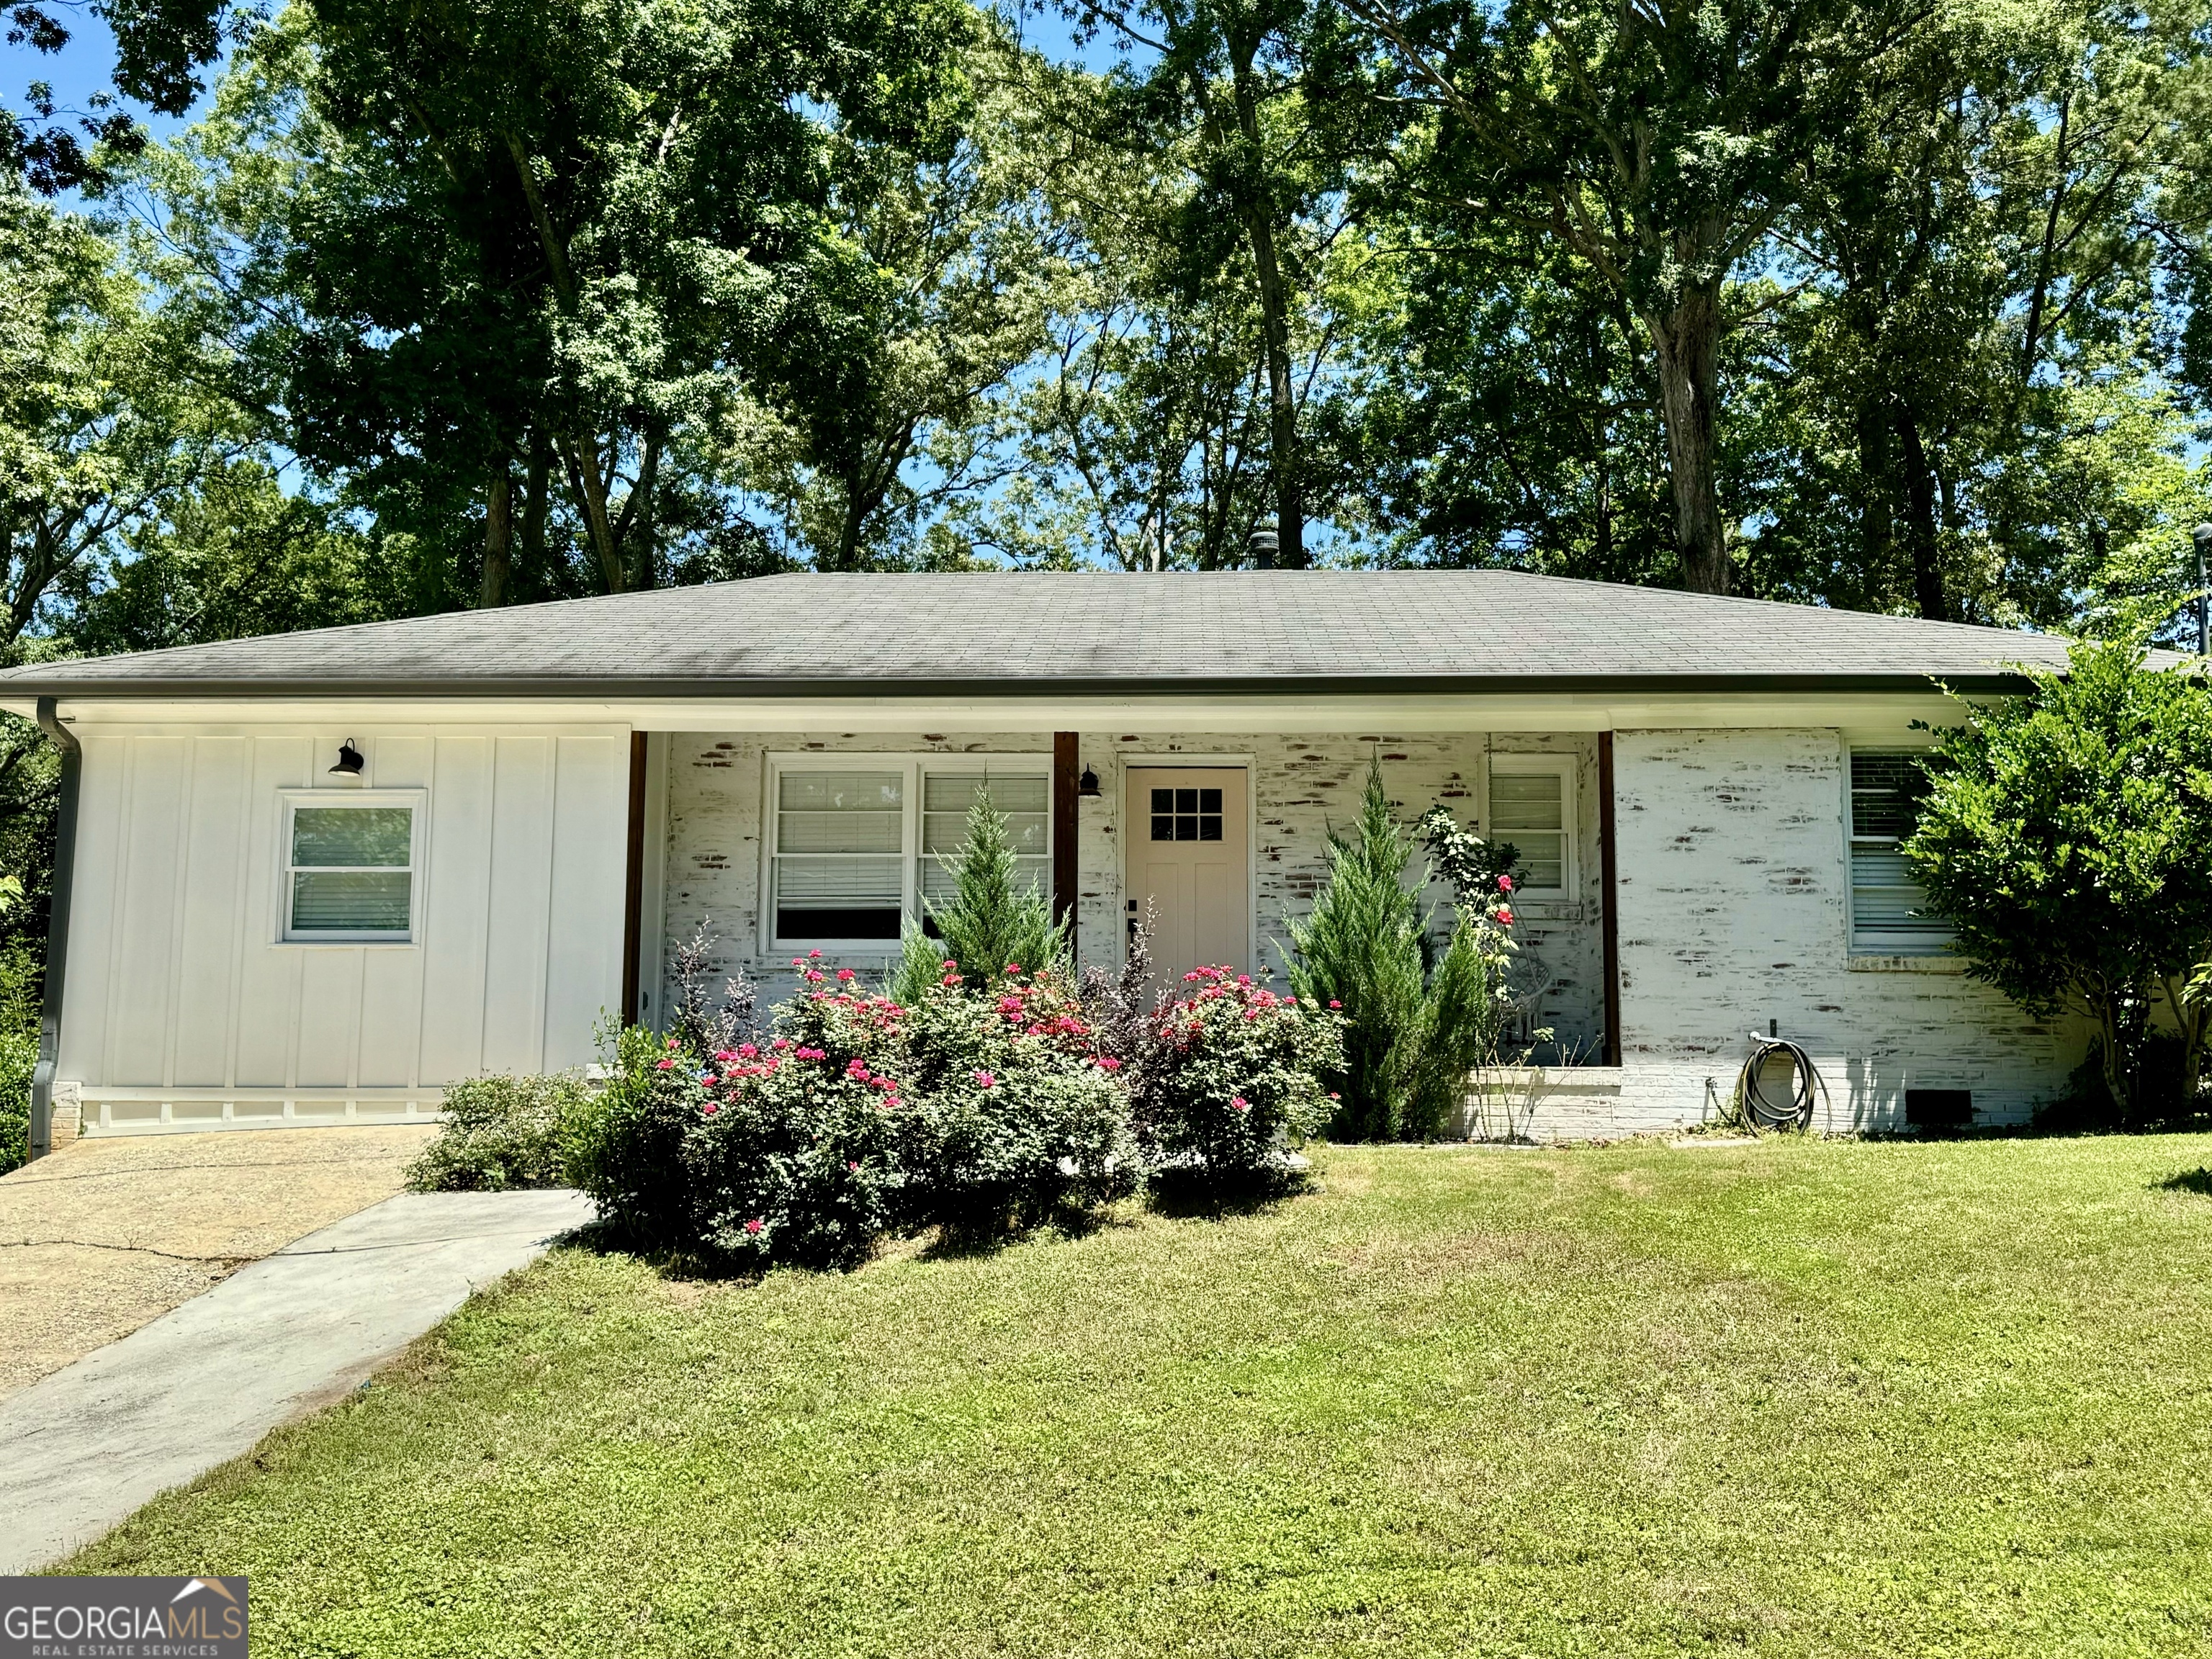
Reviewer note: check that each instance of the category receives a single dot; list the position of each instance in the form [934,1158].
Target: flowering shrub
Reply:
[625,1146]
[855,1114]
[1228,1077]
[794,1155]
[1018,1113]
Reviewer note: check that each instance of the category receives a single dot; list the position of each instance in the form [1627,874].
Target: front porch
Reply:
[720,856]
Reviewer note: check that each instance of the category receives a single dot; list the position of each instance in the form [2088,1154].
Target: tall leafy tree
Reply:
[1659,144]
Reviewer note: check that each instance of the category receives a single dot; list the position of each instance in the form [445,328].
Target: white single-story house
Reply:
[319,877]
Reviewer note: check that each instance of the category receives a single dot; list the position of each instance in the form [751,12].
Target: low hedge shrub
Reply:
[500,1132]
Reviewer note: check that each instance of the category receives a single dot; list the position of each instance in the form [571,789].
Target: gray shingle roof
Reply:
[1085,631]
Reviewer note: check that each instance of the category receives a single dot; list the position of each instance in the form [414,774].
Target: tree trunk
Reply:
[581,457]
[1687,342]
[1258,211]
[1919,481]
[499,540]
[1875,536]
[2116,1079]
[534,492]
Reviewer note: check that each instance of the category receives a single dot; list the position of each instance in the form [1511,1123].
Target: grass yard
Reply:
[1799,1398]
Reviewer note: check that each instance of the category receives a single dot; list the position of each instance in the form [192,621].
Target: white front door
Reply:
[1190,857]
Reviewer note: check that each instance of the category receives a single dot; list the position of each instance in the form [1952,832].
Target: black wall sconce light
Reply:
[1087,784]
[349,761]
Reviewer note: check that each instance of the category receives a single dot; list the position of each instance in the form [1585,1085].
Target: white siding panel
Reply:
[94,905]
[207,959]
[522,876]
[178,975]
[591,838]
[268,977]
[329,1024]
[144,978]
[457,910]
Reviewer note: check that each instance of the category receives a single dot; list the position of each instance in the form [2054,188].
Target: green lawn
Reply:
[1792,1399]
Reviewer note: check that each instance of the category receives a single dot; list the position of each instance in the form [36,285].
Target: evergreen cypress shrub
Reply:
[1415,1025]
[994,922]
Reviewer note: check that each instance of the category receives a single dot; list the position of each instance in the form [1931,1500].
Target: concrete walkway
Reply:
[87,1446]
[110,1233]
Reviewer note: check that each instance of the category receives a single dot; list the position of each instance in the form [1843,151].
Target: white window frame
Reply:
[1504,763]
[1932,943]
[289,801]
[912,767]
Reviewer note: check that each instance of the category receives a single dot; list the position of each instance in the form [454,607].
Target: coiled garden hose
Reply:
[1761,1111]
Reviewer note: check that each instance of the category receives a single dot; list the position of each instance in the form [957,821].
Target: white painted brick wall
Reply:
[1301,787]
[1732,894]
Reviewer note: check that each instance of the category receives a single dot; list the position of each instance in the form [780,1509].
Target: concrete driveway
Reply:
[284,1335]
[105,1235]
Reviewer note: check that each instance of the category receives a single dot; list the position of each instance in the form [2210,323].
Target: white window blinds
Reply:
[1888,909]
[350,873]
[1529,809]
[840,855]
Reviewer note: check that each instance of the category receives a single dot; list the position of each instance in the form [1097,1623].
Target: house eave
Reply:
[600,690]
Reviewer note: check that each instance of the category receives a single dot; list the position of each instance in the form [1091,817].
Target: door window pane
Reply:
[1185,814]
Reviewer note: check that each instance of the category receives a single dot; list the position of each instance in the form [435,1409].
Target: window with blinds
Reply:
[861,845]
[349,872]
[840,861]
[946,799]
[1532,807]
[1888,909]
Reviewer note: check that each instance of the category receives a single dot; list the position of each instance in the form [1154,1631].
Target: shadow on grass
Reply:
[1189,1195]
[2197,1181]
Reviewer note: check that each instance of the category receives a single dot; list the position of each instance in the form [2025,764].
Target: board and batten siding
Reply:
[183,1008]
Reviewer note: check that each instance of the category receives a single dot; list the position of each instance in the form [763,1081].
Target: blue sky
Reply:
[81,70]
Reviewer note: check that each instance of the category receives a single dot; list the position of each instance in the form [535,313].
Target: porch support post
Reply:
[1066,761]
[1609,915]
[633,881]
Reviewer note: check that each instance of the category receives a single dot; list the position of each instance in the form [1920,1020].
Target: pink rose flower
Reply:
[1506,883]
[1505,917]
[1334,1003]
[814,955]
[949,962]
[847,973]
[854,1168]
[709,1108]
[747,1051]
[950,979]
[1241,1103]
[754,1225]
[986,1080]
[1108,1063]
[665,1066]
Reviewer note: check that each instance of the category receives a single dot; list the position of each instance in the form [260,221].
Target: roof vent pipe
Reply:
[58,921]
[1266,542]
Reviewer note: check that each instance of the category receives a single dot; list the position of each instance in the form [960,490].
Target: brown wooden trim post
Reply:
[1609,918]
[1066,761]
[634,882]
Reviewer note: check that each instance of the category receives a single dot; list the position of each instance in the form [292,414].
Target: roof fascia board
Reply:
[1157,715]
[1057,687]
